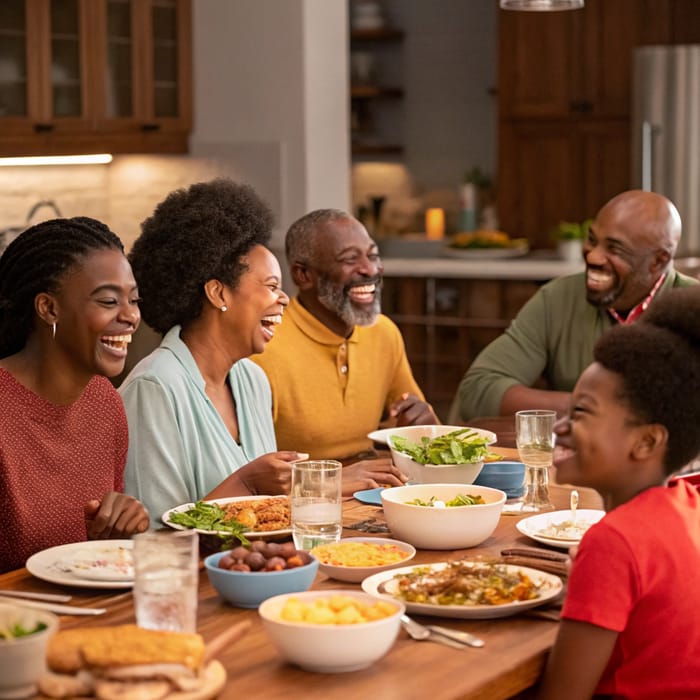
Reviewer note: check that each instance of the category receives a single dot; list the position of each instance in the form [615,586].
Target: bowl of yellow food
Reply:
[332,631]
[442,516]
[440,454]
[354,558]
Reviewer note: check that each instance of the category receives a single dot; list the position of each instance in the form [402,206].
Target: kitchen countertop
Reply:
[531,267]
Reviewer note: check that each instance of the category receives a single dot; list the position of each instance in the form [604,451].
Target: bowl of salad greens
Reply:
[442,516]
[440,454]
[24,633]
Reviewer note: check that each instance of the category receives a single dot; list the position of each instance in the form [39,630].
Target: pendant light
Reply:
[541,5]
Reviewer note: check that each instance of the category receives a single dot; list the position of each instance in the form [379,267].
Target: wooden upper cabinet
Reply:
[87,75]
[557,64]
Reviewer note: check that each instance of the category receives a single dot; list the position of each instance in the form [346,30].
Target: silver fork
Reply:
[451,638]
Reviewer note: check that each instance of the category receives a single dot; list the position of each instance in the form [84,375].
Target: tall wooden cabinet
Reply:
[81,76]
[564,105]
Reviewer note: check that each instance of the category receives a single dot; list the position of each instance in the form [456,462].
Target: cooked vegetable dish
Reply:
[465,583]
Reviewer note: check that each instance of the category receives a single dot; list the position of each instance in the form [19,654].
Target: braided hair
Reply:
[37,261]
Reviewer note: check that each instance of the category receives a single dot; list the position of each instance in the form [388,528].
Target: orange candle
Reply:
[435,223]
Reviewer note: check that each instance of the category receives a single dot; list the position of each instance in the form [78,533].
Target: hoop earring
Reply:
[224,308]
[53,330]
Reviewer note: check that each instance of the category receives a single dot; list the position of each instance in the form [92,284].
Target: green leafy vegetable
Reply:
[210,516]
[458,447]
[459,500]
[17,630]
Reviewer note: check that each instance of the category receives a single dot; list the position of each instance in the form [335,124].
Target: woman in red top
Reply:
[68,308]
[631,619]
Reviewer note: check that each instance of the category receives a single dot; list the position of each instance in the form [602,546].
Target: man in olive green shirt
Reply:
[629,260]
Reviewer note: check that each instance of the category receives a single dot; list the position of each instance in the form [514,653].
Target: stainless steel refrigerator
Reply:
[666,131]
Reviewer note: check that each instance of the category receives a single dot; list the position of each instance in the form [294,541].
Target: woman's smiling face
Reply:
[596,440]
[97,312]
[257,303]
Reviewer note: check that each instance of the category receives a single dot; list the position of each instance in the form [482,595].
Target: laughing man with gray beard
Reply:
[337,366]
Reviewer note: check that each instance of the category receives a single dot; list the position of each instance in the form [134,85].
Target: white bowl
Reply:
[435,473]
[456,527]
[355,574]
[23,659]
[330,648]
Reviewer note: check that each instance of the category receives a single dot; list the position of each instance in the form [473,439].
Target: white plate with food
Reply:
[495,253]
[515,582]
[557,529]
[91,564]
[263,516]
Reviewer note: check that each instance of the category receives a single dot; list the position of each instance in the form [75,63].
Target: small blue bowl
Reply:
[506,476]
[247,589]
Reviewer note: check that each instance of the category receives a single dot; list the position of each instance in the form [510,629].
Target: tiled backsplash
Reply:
[125,192]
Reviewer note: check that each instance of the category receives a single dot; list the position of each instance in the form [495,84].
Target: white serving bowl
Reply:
[435,473]
[330,648]
[456,527]
[23,659]
[355,574]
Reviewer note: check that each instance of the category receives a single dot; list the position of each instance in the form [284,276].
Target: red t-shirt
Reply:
[53,459]
[638,572]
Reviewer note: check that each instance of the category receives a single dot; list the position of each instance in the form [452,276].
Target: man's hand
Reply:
[115,516]
[410,410]
[371,473]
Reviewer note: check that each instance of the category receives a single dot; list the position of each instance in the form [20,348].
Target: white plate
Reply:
[83,564]
[551,588]
[532,526]
[516,251]
[223,501]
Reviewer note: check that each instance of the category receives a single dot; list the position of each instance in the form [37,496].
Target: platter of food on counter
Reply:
[485,244]
[556,529]
[469,589]
[91,564]
[251,516]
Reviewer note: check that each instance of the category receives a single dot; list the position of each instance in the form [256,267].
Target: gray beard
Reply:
[335,299]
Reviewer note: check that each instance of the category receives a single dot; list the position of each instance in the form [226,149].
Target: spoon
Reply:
[574,505]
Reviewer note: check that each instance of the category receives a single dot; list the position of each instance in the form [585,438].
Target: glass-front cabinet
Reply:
[76,75]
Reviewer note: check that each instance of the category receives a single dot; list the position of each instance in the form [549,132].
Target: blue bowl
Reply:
[506,476]
[247,589]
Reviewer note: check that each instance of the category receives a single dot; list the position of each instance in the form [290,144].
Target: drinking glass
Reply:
[166,578]
[316,502]
[534,437]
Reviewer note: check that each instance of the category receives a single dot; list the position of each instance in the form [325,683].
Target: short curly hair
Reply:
[195,235]
[37,261]
[300,241]
[658,361]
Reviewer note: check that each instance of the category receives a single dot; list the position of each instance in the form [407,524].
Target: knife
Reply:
[55,607]
[51,597]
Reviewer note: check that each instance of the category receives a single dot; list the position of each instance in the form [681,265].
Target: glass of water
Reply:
[166,579]
[316,502]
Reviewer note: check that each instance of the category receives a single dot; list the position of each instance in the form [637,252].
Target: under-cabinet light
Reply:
[92,159]
[541,5]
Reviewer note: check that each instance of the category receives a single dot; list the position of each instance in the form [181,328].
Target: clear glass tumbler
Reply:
[316,498]
[166,579]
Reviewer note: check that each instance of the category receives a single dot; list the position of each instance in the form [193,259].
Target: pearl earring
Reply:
[224,308]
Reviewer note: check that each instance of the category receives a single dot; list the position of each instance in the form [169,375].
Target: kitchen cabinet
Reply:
[564,96]
[375,95]
[447,321]
[81,76]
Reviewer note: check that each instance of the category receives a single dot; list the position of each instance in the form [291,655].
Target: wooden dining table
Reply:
[510,662]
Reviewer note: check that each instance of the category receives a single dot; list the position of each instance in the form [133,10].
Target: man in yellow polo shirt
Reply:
[337,366]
